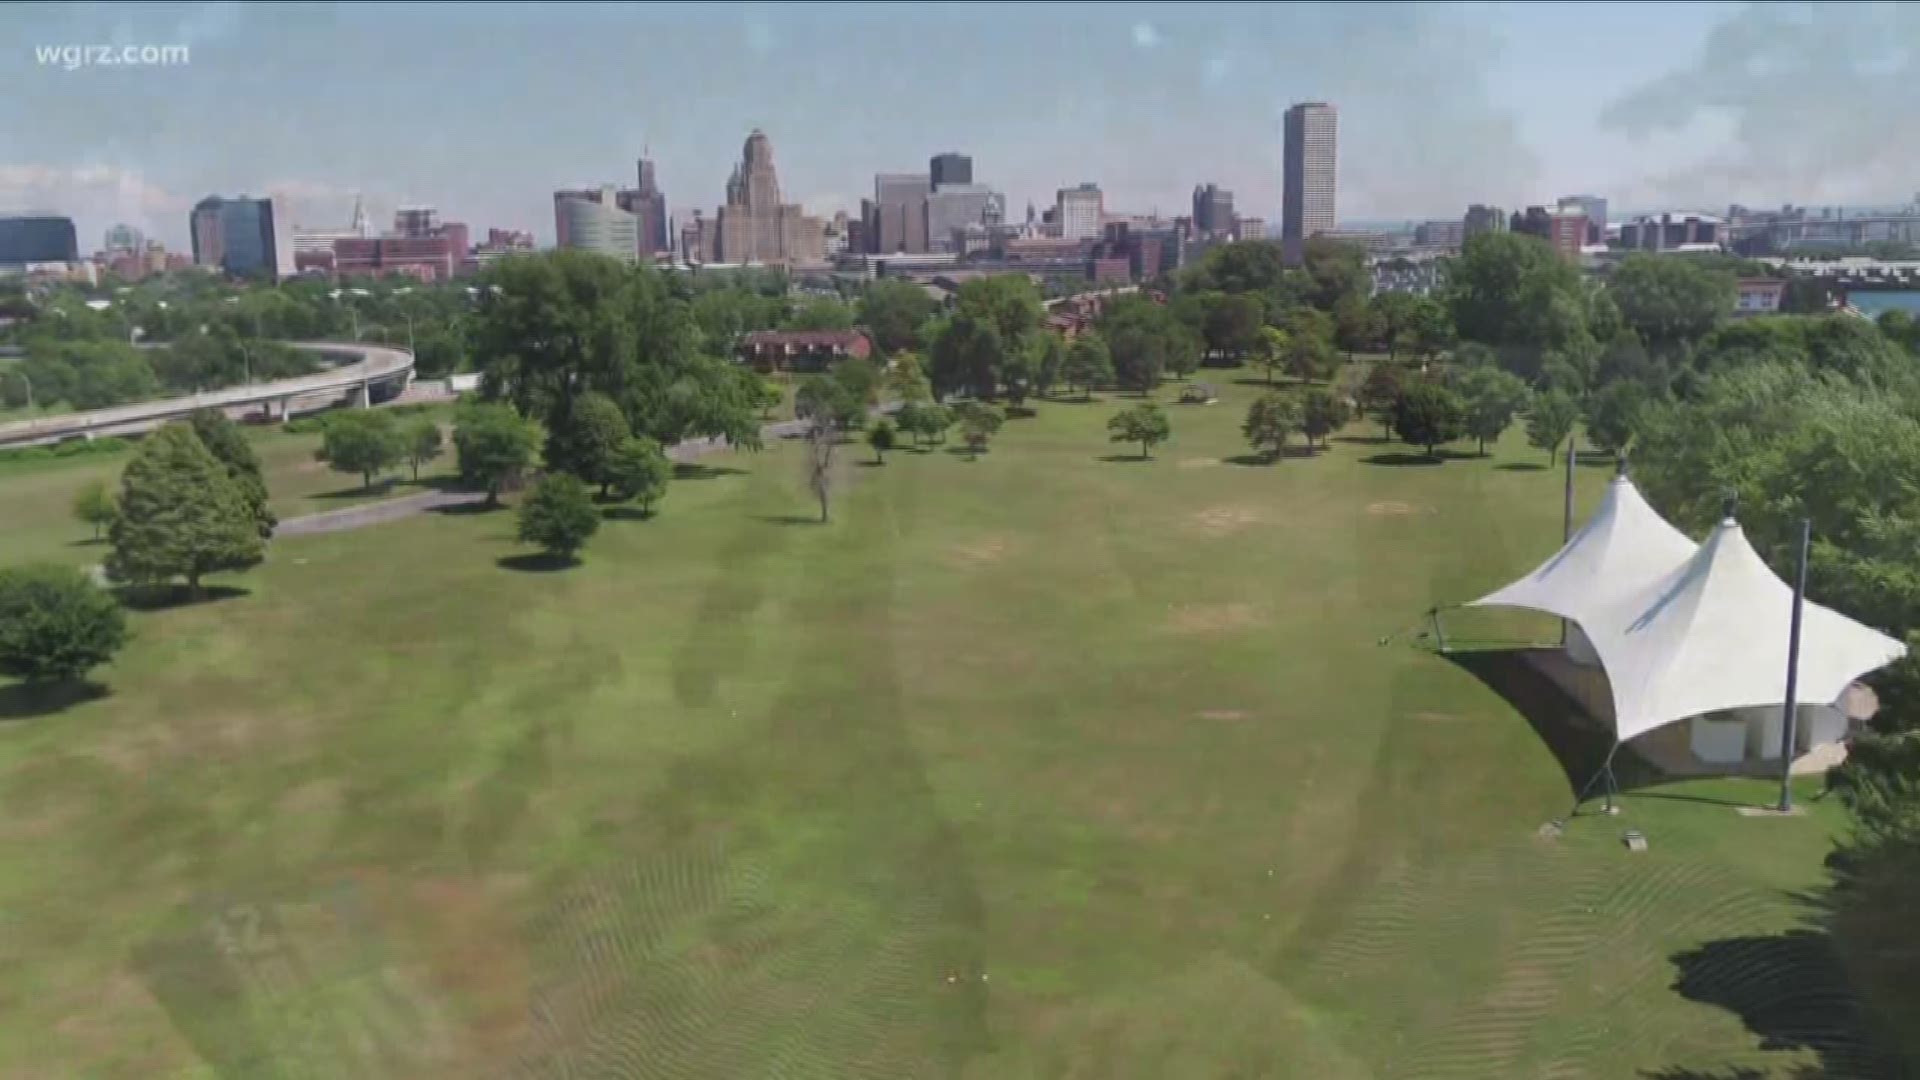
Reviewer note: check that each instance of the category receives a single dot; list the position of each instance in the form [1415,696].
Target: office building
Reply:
[1482,219]
[1595,209]
[425,258]
[1672,232]
[1442,233]
[648,203]
[1536,221]
[954,208]
[1212,210]
[235,235]
[27,239]
[124,238]
[416,221]
[1310,176]
[950,168]
[1250,228]
[1080,212]
[589,221]
[900,212]
[755,226]
[1567,231]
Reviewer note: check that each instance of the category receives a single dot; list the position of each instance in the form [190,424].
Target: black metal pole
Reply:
[1566,513]
[1790,707]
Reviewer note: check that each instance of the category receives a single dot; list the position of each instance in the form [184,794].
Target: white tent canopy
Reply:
[1683,631]
[1622,548]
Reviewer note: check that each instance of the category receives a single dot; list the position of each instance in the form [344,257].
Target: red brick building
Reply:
[802,350]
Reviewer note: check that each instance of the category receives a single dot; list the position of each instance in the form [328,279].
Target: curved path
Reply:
[367,365]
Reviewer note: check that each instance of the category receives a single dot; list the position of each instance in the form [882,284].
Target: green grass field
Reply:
[1041,765]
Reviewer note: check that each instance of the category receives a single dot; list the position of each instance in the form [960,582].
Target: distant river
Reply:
[1873,303]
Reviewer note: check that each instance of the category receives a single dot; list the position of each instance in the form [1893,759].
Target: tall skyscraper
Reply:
[648,203]
[1212,210]
[590,221]
[236,235]
[1482,219]
[1079,211]
[1307,207]
[900,205]
[953,207]
[950,168]
[125,238]
[755,226]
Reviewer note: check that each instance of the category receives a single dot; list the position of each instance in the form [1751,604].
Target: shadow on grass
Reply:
[1790,989]
[1280,383]
[1021,412]
[173,595]
[1129,459]
[624,513]
[789,519]
[360,491]
[1363,440]
[689,470]
[22,701]
[91,541]
[1400,458]
[537,562]
[865,464]
[477,506]
[1579,744]
[963,452]
[1075,399]
[1521,466]
[442,482]
[1263,461]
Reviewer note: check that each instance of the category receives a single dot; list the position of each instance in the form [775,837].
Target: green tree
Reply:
[1088,364]
[94,505]
[1670,303]
[55,625]
[1145,423]
[924,420]
[181,515]
[967,356]
[1379,393]
[639,471]
[1273,351]
[822,397]
[881,437]
[862,380]
[767,396]
[1017,374]
[1270,420]
[1145,340]
[1429,414]
[421,441]
[1430,328]
[363,441]
[1336,270]
[978,424]
[1008,302]
[1550,420]
[1310,353]
[1048,354]
[821,313]
[1356,325]
[1514,292]
[493,445]
[907,378]
[1393,314]
[1232,324]
[821,440]
[1322,412]
[228,444]
[893,310]
[558,516]
[584,439]
[1612,414]
[1492,398]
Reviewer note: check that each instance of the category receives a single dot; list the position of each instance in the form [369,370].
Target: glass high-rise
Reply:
[1307,206]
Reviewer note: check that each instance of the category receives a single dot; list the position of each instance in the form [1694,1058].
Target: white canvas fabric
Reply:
[1622,548]
[1712,634]
[1684,629]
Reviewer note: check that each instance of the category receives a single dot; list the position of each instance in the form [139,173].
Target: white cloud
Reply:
[1145,36]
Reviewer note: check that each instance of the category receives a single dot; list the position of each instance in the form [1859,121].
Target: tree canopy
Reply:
[893,310]
[558,515]
[181,515]
[1145,423]
[1271,418]
[362,441]
[493,445]
[1670,303]
[55,625]
[1428,414]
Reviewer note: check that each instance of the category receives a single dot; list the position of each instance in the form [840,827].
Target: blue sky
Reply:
[483,109]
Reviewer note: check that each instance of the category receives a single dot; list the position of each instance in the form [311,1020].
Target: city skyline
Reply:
[1466,91]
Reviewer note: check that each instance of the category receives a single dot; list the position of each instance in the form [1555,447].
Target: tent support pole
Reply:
[1790,708]
[1439,629]
[1605,770]
[1566,512]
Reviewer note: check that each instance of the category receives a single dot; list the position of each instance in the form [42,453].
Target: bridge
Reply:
[364,368]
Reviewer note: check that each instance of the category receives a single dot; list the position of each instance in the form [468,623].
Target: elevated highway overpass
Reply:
[359,370]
